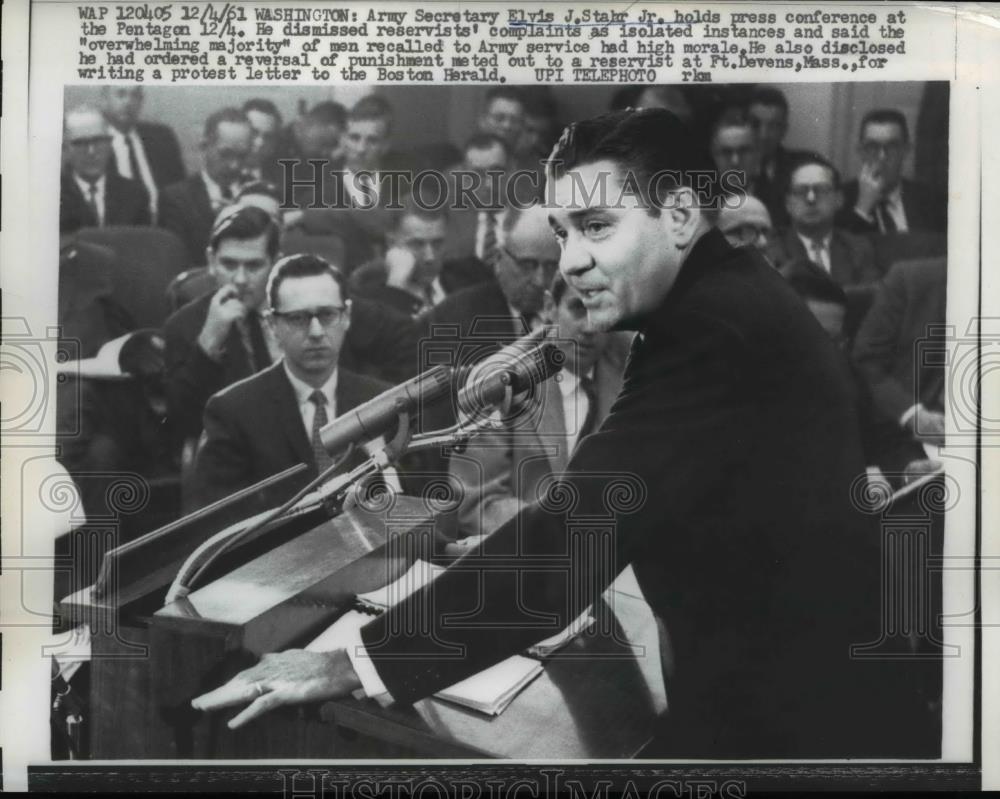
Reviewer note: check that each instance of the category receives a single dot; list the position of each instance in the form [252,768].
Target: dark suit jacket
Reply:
[852,258]
[162,152]
[186,210]
[369,280]
[926,209]
[909,307]
[723,474]
[253,429]
[125,203]
[378,341]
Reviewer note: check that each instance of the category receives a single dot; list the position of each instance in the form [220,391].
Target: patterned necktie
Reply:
[886,222]
[260,356]
[590,420]
[489,237]
[320,419]
[92,202]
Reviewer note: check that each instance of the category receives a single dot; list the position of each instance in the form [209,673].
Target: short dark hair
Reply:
[371,107]
[503,93]
[245,223]
[262,106]
[812,283]
[231,115]
[644,143]
[264,187]
[885,116]
[484,141]
[302,265]
[769,96]
[327,113]
[809,159]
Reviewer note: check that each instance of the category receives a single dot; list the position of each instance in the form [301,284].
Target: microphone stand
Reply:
[333,494]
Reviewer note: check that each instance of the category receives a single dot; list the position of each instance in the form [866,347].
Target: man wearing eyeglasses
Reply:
[881,200]
[271,421]
[812,199]
[91,194]
[746,224]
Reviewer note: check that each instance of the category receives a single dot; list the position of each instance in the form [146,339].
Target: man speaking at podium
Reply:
[737,422]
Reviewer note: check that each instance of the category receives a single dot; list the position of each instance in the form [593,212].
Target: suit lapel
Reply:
[840,260]
[286,409]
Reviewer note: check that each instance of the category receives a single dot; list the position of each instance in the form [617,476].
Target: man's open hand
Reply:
[285,678]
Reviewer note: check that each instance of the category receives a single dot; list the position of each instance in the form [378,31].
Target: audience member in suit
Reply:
[188,208]
[733,147]
[541,125]
[502,471]
[317,134]
[220,337]
[881,200]
[265,122]
[768,111]
[746,224]
[812,198]
[478,213]
[502,115]
[92,194]
[365,143]
[408,279]
[900,348]
[470,324]
[272,421]
[143,151]
[738,429]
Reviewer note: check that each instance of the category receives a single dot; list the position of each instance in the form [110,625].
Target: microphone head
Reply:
[519,366]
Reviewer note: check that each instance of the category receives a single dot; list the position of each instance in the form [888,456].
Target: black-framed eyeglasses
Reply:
[532,265]
[328,316]
[873,149]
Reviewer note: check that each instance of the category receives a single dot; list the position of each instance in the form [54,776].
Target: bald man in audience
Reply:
[92,193]
[188,208]
[747,224]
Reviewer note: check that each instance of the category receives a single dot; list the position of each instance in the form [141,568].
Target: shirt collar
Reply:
[570,380]
[215,190]
[85,184]
[303,391]
[809,243]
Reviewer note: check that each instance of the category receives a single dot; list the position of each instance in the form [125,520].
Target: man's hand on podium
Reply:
[284,678]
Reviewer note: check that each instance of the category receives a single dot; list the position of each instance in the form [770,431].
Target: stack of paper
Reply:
[556,642]
[381,599]
[490,691]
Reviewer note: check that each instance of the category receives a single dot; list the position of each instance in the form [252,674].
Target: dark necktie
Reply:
[320,419]
[489,237]
[133,161]
[590,421]
[92,202]
[260,356]
[886,222]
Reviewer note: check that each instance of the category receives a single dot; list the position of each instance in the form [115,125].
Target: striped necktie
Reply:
[320,420]
[489,238]
[94,205]
[886,222]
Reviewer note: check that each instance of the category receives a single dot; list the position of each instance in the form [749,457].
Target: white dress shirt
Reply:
[119,144]
[481,222]
[215,195]
[85,189]
[362,199]
[576,405]
[307,408]
[818,250]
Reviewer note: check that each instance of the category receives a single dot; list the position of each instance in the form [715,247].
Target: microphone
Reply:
[378,416]
[519,366]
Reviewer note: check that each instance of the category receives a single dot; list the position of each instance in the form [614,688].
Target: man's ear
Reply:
[682,216]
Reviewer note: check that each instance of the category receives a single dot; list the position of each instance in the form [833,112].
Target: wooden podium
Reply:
[599,698]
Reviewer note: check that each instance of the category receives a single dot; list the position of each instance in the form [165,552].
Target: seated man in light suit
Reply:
[503,471]
[271,421]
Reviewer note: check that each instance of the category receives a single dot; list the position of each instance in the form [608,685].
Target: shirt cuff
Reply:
[910,412]
[371,684]
[867,217]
